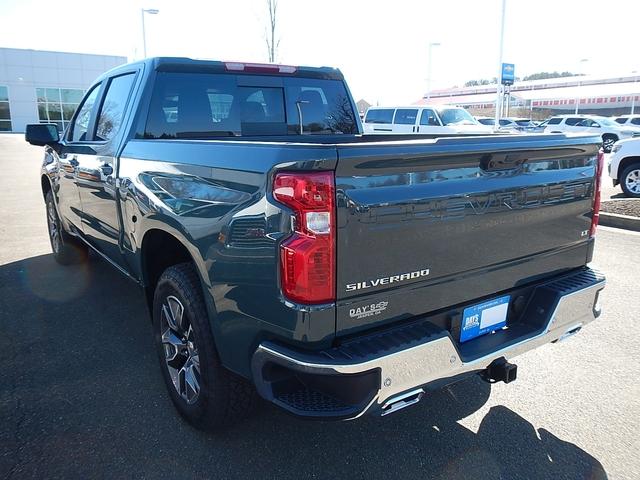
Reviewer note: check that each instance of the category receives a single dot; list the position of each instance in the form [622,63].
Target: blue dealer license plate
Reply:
[484,318]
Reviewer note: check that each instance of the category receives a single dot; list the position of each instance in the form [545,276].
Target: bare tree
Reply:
[270,35]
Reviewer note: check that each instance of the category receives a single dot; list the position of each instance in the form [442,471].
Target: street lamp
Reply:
[150,11]
[431,45]
[633,92]
[496,123]
[582,62]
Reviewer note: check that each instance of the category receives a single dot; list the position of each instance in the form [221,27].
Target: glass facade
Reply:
[57,105]
[5,112]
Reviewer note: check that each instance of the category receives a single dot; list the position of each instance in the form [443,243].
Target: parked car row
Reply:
[611,131]
[512,124]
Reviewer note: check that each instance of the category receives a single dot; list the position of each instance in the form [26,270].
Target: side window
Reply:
[428,117]
[554,121]
[80,126]
[406,116]
[635,121]
[621,120]
[384,115]
[112,109]
[575,121]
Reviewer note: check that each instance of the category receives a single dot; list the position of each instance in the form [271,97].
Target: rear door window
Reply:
[554,121]
[199,105]
[380,115]
[621,120]
[574,121]
[635,121]
[406,116]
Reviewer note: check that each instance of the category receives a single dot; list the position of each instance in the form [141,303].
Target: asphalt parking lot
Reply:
[81,394]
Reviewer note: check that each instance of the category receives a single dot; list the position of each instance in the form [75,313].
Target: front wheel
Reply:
[66,249]
[630,181]
[607,142]
[205,393]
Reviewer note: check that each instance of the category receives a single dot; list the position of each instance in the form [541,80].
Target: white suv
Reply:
[628,120]
[624,166]
[609,130]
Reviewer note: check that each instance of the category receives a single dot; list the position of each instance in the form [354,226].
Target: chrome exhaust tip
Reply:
[402,401]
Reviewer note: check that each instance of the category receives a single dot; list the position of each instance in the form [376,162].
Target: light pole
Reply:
[496,123]
[431,45]
[150,11]
[633,93]
[582,62]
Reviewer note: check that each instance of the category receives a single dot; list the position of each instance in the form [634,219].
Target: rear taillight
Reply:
[307,258]
[596,197]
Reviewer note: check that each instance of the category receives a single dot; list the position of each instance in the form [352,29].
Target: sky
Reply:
[381,46]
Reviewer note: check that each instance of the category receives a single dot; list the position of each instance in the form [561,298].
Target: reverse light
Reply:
[307,258]
[595,217]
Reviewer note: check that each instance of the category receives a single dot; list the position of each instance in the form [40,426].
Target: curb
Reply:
[620,221]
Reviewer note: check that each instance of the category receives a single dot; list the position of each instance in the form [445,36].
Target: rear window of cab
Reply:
[204,105]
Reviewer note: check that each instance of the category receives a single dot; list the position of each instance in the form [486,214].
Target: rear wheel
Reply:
[607,142]
[205,393]
[66,249]
[630,180]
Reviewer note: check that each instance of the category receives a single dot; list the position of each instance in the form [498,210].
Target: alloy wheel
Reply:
[632,181]
[181,353]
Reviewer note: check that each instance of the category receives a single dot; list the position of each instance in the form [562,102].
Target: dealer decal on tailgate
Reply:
[484,318]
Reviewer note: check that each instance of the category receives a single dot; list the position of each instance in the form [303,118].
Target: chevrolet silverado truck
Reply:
[284,253]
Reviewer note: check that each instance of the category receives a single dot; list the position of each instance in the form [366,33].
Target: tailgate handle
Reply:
[502,161]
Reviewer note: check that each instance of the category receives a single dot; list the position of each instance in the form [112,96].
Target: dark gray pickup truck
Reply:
[283,252]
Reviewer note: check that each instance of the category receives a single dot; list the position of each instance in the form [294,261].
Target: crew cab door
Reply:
[72,148]
[97,173]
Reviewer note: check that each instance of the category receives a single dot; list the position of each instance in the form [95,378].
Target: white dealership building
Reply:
[40,86]
[601,95]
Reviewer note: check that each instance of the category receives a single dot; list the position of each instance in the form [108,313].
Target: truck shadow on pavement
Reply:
[81,396]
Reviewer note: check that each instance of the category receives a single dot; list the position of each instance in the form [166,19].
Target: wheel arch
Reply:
[160,250]
[625,162]
[45,184]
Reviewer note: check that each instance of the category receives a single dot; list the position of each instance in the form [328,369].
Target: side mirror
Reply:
[42,134]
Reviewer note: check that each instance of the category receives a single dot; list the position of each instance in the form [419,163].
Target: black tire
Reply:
[67,250]
[223,397]
[630,180]
[607,142]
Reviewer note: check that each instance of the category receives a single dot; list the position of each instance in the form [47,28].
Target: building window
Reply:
[57,105]
[5,112]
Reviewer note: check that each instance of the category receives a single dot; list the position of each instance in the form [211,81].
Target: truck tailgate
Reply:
[424,225]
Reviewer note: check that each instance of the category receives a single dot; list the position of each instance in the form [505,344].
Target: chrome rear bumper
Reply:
[392,375]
